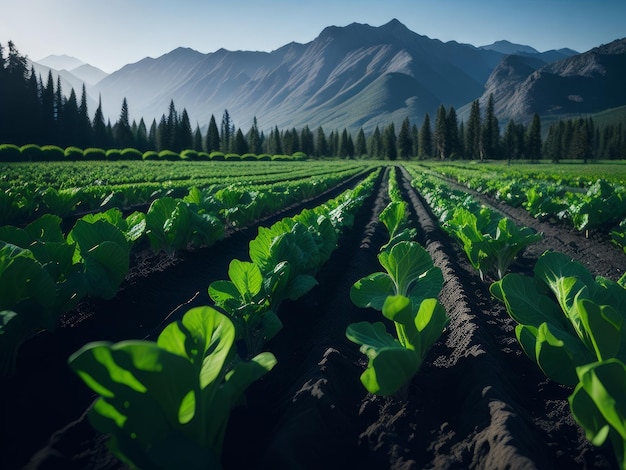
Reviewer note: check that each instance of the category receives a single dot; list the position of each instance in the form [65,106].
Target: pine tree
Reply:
[100,138]
[454,148]
[376,144]
[226,132]
[183,134]
[414,140]
[490,131]
[425,139]
[511,141]
[321,144]
[307,144]
[68,125]
[441,134]
[361,144]
[84,124]
[122,131]
[405,144]
[213,143]
[389,143]
[141,136]
[473,146]
[254,138]
[533,141]
[240,146]
[197,139]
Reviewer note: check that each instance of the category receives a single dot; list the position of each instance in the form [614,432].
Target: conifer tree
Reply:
[99,127]
[376,144]
[84,124]
[441,138]
[360,149]
[426,139]
[405,144]
[472,133]
[321,144]
[490,131]
[453,145]
[226,132]
[122,131]
[254,138]
[213,143]
[389,143]
[533,139]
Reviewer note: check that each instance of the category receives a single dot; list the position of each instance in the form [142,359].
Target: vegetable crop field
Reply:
[312,314]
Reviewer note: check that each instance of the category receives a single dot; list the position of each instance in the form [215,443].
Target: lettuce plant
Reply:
[491,243]
[566,317]
[599,404]
[166,404]
[392,362]
[409,271]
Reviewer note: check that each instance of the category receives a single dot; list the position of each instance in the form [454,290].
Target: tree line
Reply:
[33,110]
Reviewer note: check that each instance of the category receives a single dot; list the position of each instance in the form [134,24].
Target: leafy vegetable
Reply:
[599,405]
[409,272]
[167,404]
[394,362]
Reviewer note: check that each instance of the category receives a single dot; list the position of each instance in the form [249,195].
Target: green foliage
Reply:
[166,404]
[30,153]
[150,155]
[490,243]
[131,154]
[52,153]
[94,154]
[599,405]
[113,154]
[74,153]
[409,272]
[394,362]
[566,317]
[9,153]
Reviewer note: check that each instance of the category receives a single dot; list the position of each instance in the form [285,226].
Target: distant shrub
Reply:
[265,157]
[131,154]
[150,155]
[189,154]
[114,154]
[74,153]
[168,155]
[30,153]
[10,153]
[203,156]
[299,156]
[249,157]
[51,153]
[94,153]
[281,158]
[217,156]
[232,157]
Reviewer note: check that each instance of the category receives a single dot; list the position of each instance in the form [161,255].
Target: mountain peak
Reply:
[60,62]
[507,47]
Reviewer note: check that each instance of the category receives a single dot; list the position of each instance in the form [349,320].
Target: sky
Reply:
[112,33]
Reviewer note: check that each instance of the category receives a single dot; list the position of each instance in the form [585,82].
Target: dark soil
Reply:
[477,401]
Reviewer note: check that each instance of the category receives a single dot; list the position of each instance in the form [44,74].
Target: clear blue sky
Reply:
[112,33]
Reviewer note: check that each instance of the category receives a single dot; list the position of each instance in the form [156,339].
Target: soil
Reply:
[477,402]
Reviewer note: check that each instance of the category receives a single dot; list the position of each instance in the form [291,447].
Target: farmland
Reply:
[477,400]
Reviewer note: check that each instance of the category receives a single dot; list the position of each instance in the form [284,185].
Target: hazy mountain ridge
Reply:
[348,77]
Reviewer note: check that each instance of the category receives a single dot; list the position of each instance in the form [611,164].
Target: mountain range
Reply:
[357,76]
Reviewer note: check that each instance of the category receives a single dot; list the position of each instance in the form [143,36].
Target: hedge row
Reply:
[36,153]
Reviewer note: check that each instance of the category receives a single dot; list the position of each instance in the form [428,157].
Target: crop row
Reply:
[568,322]
[44,272]
[168,402]
[25,196]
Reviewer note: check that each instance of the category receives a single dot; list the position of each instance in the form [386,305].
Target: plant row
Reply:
[573,326]
[581,203]
[44,272]
[166,403]
[23,202]
[406,294]
[568,322]
[490,241]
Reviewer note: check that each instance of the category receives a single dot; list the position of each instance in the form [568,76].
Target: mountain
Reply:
[60,62]
[347,77]
[583,83]
[88,74]
[508,48]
